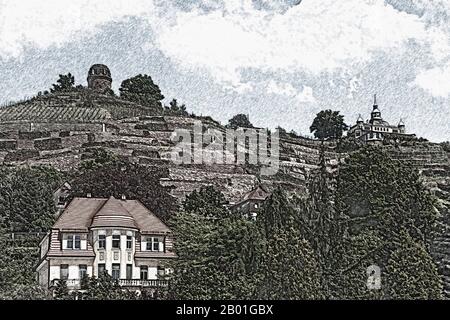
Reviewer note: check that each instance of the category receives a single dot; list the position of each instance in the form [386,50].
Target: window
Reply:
[144,272]
[129,242]
[129,271]
[73,241]
[83,270]
[115,271]
[102,241]
[153,243]
[116,241]
[101,269]
[64,272]
[161,271]
[61,200]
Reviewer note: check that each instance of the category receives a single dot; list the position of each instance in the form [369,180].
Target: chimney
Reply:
[89,195]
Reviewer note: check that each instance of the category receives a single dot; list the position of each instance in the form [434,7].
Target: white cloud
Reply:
[286,89]
[54,22]
[316,36]
[435,80]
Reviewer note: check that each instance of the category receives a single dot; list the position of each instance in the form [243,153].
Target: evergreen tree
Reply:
[26,197]
[290,270]
[218,253]
[175,109]
[411,273]
[65,82]
[289,267]
[375,190]
[386,208]
[61,290]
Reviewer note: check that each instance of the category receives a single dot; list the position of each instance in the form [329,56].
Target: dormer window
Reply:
[73,242]
[155,244]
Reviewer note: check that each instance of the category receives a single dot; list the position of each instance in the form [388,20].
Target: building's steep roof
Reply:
[257,194]
[78,214]
[84,213]
[113,214]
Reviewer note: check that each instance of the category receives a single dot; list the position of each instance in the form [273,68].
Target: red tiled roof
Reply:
[85,213]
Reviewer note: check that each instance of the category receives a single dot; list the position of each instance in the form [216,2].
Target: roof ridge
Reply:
[114,204]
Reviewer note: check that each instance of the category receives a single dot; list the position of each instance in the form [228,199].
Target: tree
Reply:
[65,82]
[141,89]
[26,197]
[105,175]
[411,273]
[218,255]
[105,288]
[282,131]
[175,110]
[328,124]
[207,202]
[61,290]
[239,121]
[379,191]
[389,217]
[298,273]
[290,270]
[352,255]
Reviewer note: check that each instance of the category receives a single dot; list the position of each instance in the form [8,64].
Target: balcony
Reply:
[143,283]
[74,284]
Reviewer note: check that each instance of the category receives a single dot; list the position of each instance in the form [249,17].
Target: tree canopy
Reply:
[141,89]
[328,124]
[105,175]
[64,83]
[239,121]
[174,109]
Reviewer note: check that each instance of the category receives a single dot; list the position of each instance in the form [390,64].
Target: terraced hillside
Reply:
[83,105]
[61,130]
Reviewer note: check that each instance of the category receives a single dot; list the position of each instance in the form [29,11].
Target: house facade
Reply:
[376,129]
[97,235]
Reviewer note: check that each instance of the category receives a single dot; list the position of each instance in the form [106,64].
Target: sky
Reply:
[280,61]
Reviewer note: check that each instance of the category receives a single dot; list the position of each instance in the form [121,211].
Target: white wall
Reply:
[54,272]
[122,256]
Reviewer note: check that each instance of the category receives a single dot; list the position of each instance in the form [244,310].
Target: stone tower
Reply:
[99,78]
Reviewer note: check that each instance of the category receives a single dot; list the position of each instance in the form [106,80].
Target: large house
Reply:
[376,129]
[96,235]
[250,204]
